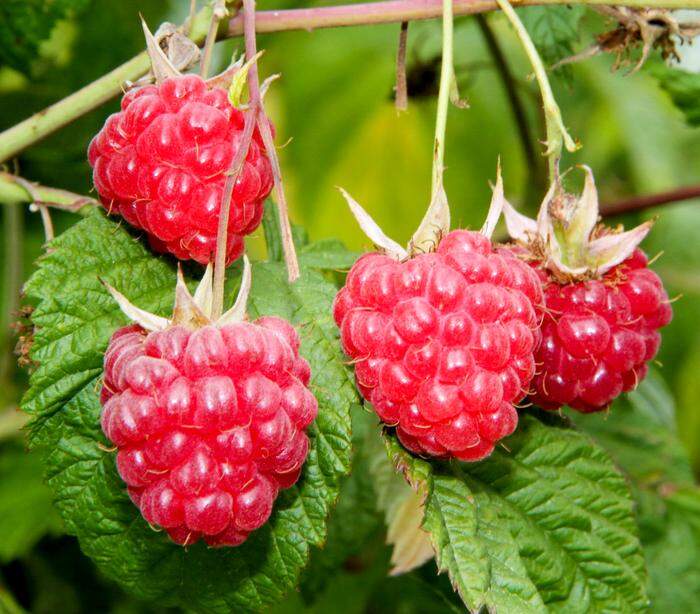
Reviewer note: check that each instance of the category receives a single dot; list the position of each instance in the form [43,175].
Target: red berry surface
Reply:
[209,424]
[162,161]
[599,335]
[443,343]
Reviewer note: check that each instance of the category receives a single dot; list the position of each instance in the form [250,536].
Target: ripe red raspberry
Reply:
[443,343]
[209,424]
[208,418]
[161,163]
[599,335]
[603,305]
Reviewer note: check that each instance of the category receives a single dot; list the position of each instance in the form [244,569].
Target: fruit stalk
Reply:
[222,229]
[251,52]
[557,135]
[446,78]
[45,122]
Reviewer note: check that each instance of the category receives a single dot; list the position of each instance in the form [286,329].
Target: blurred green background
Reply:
[334,113]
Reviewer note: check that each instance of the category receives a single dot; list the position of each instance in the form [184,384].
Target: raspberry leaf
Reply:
[641,434]
[63,400]
[548,524]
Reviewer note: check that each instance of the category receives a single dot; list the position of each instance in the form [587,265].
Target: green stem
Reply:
[12,192]
[557,136]
[443,103]
[13,225]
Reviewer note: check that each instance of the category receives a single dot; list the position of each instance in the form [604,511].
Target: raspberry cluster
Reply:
[162,162]
[209,424]
[443,343]
[599,335]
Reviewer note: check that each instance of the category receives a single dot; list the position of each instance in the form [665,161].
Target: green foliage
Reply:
[25,24]
[63,401]
[546,524]
[641,434]
[554,30]
[682,86]
[26,510]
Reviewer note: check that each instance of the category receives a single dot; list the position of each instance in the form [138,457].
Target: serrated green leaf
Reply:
[554,30]
[682,86]
[75,318]
[546,524]
[640,433]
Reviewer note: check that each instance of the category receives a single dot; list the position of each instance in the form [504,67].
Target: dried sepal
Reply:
[612,249]
[237,313]
[411,543]
[434,225]
[147,321]
[520,227]
[565,236]
[186,312]
[161,66]
[498,203]
[204,292]
[182,52]
[390,247]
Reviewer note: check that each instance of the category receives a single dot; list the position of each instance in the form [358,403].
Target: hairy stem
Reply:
[446,77]
[557,135]
[217,14]
[224,213]
[44,123]
[290,256]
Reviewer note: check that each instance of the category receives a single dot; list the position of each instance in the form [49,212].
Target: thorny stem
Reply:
[290,256]
[557,136]
[401,91]
[222,230]
[443,103]
[47,121]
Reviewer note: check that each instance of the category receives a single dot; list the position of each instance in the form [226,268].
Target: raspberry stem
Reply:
[222,229]
[446,79]
[251,51]
[557,135]
[218,12]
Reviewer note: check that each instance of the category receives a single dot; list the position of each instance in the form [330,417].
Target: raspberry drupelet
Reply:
[603,305]
[443,342]
[209,421]
[162,161]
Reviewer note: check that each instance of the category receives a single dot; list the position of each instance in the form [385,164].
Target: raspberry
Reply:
[162,161]
[209,424]
[443,342]
[603,306]
[599,335]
